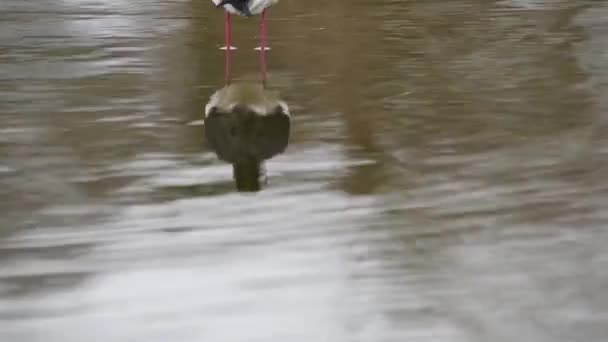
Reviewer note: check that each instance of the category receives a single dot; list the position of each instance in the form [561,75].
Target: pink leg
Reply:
[263,29]
[228,29]
[263,33]
[228,32]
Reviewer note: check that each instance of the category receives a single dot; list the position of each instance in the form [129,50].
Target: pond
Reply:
[440,176]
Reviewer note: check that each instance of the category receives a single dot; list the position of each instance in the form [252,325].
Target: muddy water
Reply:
[444,178]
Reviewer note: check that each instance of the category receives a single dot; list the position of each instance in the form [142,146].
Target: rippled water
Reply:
[444,178]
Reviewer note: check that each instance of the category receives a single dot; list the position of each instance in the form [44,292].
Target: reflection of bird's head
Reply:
[246,124]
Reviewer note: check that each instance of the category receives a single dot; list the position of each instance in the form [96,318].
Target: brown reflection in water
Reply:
[246,123]
[405,82]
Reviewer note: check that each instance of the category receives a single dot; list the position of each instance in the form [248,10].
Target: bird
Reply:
[245,8]
[246,124]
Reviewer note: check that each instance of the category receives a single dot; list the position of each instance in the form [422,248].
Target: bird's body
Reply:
[245,8]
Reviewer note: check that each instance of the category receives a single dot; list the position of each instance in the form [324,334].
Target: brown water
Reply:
[445,178]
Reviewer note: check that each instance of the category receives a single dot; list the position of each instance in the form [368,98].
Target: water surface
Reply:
[444,179]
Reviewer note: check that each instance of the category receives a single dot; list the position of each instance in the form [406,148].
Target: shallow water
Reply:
[444,178]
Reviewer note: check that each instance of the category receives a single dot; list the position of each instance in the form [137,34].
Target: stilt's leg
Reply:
[263,33]
[228,32]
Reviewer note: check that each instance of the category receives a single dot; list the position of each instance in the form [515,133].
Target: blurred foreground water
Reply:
[444,178]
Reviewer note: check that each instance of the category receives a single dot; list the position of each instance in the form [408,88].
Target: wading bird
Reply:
[246,8]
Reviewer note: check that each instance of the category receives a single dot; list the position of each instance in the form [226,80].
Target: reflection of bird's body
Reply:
[245,8]
[245,125]
[252,95]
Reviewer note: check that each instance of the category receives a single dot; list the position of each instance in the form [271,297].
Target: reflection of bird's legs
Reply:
[263,66]
[228,69]
[228,32]
[263,33]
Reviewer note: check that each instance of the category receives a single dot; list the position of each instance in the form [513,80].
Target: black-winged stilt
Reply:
[245,8]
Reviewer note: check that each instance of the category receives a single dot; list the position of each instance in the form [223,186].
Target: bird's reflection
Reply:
[246,124]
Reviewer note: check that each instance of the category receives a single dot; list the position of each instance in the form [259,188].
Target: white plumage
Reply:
[245,8]
[256,7]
